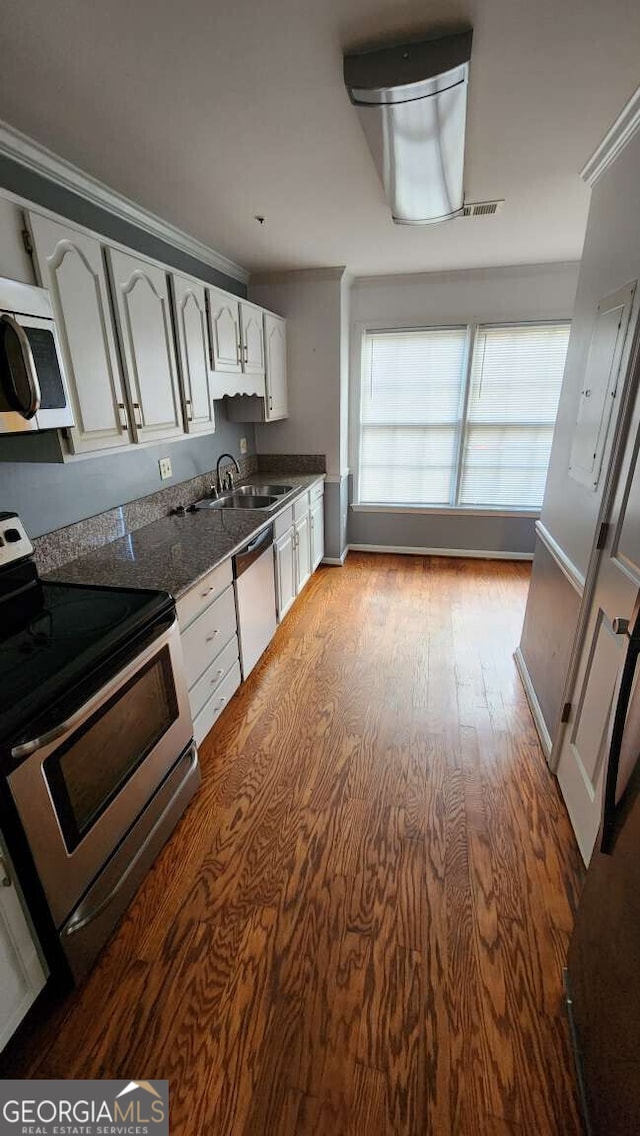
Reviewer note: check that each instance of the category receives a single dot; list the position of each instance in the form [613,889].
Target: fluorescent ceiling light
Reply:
[412,103]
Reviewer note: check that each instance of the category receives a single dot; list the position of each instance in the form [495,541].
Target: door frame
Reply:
[630,368]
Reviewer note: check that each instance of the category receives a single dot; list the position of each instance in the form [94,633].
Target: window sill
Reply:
[445,510]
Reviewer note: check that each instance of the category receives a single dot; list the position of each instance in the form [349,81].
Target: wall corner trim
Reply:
[566,566]
[534,705]
[617,137]
[20,148]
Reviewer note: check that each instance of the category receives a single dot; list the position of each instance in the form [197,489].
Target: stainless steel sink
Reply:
[264,490]
[238,500]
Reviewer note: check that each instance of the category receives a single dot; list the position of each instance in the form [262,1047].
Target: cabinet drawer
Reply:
[282,523]
[212,709]
[316,491]
[213,676]
[301,506]
[201,641]
[203,593]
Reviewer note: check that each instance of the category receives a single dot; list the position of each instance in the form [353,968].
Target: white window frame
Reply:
[358,363]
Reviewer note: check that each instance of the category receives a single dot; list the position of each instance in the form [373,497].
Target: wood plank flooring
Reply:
[359,927]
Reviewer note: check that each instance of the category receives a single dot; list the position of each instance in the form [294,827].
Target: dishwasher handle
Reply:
[247,555]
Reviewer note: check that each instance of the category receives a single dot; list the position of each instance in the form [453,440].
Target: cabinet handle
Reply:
[5,880]
[239,353]
[187,403]
[270,403]
[212,636]
[217,676]
[246,353]
[208,591]
[136,406]
[123,415]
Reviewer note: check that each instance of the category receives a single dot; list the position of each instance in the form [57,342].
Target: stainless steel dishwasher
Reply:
[254,581]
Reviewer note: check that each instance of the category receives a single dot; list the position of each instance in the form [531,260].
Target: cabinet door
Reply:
[303,552]
[285,572]
[275,349]
[21,974]
[193,353]
[71,266]
[141,299]
[252,340]
[224,331]
[316,520]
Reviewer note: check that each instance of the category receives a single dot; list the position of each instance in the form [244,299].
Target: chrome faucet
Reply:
[225,483]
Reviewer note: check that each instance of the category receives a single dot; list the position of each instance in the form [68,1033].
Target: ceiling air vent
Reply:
[482,208]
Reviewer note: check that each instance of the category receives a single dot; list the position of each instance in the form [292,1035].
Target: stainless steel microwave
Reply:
[33,390]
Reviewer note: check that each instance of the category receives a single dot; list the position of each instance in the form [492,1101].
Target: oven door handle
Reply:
[25,749]
[29,365]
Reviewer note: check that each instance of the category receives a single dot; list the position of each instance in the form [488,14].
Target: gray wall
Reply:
[610,260]
[441,532]
[48,495]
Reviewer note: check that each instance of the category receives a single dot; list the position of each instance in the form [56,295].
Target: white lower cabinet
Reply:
[302,549]
[285,572]
[209,632]
[316,520]
[22,975]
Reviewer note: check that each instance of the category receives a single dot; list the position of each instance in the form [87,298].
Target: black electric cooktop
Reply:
[55,637]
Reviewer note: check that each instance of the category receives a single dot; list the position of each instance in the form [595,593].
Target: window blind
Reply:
[425,439]
[410,415]
[516,375]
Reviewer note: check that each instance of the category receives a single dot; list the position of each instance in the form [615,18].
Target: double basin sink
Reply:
[263,497]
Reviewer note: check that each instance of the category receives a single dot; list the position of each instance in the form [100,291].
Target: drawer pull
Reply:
[208,591]
[222,701]
[212,636]
[217,676]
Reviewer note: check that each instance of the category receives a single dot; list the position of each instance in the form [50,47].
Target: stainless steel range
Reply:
[96,745]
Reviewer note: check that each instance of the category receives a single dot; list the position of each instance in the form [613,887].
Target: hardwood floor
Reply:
[359,926]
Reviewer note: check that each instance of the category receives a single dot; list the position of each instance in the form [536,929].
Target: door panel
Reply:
[252,340]
[142,305]
[276,367]
[584,746]
[193,353]
[285,572]
[600,387]
[70,265]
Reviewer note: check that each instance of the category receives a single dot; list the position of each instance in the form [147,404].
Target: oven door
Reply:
[83,785]
[33,393]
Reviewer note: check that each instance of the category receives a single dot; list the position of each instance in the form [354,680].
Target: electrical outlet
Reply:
[165,468]
[243,445]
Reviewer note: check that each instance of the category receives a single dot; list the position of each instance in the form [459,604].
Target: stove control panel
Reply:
[14,542]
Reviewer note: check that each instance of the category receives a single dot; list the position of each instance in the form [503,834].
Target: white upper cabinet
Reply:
[141,300]
[275,344]
[193,353]
[252,339]
[70,264]
[224,330]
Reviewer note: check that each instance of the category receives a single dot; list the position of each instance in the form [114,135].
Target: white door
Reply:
[302,545]
[252,340]
[275,349]
[584,749]
[224,330]
[316,520]
[71,266]
[193,353]
[141,299]
[285,572]
[21,973]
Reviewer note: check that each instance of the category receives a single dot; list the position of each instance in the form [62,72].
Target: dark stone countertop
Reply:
[172,554]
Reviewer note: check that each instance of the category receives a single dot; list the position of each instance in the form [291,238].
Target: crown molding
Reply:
[298,275]
[20,148]
[617,137]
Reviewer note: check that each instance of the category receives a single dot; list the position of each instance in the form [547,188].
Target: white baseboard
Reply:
[336,561]
[534,705]
[465,553]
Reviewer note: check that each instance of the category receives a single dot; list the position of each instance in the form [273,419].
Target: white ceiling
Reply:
[208,114]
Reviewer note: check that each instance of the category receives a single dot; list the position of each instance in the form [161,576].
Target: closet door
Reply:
[193,353]
[141,299]
[70,265]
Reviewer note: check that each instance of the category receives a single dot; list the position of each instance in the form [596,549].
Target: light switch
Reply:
[243,445]
[165,468]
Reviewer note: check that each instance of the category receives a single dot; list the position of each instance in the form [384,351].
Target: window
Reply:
[459,416]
